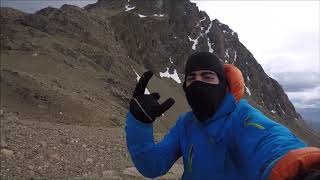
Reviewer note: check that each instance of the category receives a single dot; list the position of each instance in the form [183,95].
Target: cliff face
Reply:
[79,66]
[176,29]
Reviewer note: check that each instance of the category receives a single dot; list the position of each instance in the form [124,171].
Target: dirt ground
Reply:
[42,150]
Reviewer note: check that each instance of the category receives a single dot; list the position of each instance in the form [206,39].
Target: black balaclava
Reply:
[205,98]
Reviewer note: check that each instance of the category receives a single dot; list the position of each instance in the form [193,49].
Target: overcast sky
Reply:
[31,6]
[282,35]
[284,38]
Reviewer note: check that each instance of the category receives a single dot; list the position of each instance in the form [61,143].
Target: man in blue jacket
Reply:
[221,138]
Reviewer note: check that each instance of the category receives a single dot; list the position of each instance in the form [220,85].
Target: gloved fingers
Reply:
[315,175]
[155,96]
[142,84]
[165,106]
[139,112]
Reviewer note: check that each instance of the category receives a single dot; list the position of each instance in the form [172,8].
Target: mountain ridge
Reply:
[67,76]
[93,53]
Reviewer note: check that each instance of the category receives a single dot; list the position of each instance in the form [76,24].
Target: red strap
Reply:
[235,80]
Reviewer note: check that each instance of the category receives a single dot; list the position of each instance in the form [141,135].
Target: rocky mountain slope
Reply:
[37,150]
[78,66]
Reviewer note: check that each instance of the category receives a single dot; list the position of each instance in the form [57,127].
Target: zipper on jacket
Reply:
[190,157]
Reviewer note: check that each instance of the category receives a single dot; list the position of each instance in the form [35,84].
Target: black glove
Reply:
[145,107]
[312,176]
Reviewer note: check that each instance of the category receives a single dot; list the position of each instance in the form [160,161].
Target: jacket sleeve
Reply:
[297,164]
[261,142]
[151,159]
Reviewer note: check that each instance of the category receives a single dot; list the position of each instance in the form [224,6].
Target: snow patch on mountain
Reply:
[158,15]
[173,76]
[227,53]
[208,30]
[235,57]
[247,90]
[203,19]
[128,8]
[141,16]
[170,59]
[195,42]
[209,45]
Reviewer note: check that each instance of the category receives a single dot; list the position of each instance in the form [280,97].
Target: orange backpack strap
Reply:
[295,163]
[235,80]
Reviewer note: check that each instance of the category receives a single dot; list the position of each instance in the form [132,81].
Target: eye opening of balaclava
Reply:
[205,98]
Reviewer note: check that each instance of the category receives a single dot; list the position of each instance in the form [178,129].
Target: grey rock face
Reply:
[96,50]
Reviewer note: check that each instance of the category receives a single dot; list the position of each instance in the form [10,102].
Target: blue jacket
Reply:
[238,142]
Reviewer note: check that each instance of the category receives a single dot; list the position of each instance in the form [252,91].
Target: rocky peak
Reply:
[10,14]
[184,29]
[100,50]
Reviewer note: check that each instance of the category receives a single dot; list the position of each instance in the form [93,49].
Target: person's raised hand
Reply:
[145,107]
